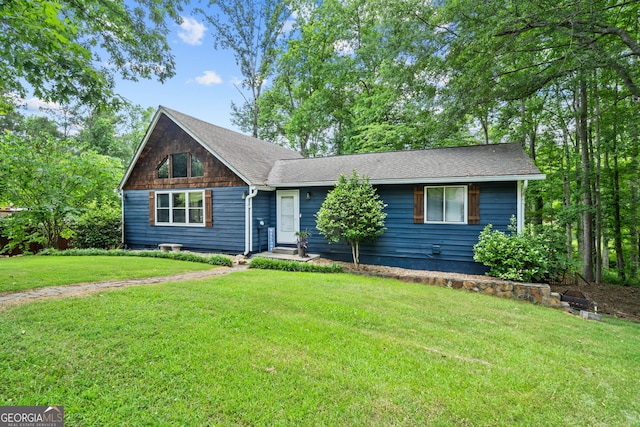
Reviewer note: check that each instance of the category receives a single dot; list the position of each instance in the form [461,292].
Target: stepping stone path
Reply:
[22,297]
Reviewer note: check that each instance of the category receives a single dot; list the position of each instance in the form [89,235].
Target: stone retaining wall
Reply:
[538,293]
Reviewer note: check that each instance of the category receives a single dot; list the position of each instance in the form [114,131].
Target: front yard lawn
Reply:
[30,272]
[275,348]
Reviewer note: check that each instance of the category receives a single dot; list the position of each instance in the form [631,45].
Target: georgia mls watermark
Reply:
[31,416]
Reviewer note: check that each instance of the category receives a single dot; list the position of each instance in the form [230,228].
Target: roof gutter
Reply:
[418,180]
[248,220]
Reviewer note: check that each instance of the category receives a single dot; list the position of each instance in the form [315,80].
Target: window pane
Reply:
[195,200]
[435,204]
[286,215]
[197,168]
[179,215]
[163,215]
[163,200]
[163,169]
[179,165]
[454,208]
[179,200]
[195,216]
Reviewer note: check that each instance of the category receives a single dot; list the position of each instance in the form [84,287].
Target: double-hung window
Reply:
[445,204]
[180,208]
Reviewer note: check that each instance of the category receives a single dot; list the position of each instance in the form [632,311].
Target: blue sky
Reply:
[203,86]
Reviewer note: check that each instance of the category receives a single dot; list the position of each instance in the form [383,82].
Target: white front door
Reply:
[288,215]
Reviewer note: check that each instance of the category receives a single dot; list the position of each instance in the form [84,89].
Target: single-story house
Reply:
[214,190]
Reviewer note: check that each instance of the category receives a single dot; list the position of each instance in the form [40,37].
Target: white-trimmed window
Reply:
[180,208]
[445,204]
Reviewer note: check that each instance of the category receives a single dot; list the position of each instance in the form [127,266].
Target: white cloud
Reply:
[208,78]
[36,104]
[191,31]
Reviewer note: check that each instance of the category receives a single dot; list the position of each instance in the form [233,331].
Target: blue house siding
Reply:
[409,245]
[226,235]
[263,209]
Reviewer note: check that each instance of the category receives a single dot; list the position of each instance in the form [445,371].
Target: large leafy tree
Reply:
[67,50]
[55,181]
[111,133]
[358,76]
[352,212]
[252,29]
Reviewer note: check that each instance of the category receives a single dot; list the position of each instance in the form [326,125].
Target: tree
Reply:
[54,181]
[111,133]
[352,212]
[252,29]
[357,76]
[66,50]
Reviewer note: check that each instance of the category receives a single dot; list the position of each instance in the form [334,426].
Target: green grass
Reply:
[275,348]
[30,272]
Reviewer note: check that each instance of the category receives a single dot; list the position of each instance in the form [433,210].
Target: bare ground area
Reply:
[615,301]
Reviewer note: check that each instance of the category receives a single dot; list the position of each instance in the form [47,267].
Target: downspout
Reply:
[248,220]
[522,188]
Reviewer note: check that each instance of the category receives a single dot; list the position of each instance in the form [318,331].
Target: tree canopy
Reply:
[68,51]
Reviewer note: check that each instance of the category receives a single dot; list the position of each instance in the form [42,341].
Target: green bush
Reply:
[99,227]
[276,264]
[180,256]
[537,254]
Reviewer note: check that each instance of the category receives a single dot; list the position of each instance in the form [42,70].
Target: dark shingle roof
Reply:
[261,163]
[501,162]
[250,158]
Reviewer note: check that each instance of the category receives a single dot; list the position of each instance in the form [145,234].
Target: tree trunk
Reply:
[597,188]
[634,208]
[617,219]
[566,192]
[587,215]
[538,203]
[355,253]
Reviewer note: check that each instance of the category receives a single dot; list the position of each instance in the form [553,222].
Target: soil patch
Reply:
[612,300]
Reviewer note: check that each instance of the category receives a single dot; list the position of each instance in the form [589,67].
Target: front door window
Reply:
[288,216]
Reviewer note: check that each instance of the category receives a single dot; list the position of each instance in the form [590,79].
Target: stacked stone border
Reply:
[538,293]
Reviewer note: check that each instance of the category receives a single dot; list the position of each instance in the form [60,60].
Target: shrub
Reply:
[99,227]
[180,256]
[276,264]
[537,254]
[352,212]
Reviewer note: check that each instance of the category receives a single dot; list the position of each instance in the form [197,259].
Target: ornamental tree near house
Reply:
[352,212]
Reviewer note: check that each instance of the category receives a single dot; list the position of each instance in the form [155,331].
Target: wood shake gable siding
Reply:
[168,138]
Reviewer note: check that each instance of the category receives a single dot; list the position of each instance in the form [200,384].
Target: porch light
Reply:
[308,195]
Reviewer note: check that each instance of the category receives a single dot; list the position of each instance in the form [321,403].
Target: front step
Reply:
[286,251]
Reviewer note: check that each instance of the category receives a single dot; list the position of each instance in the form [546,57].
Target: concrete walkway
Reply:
[22,297]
